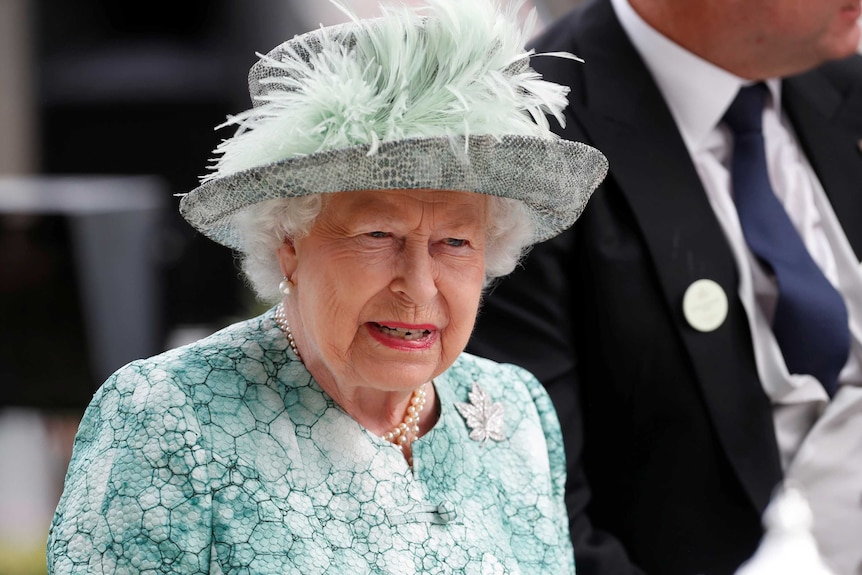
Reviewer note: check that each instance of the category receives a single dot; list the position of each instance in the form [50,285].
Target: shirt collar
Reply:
[696,106]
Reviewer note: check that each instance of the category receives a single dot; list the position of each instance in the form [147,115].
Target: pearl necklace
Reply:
[281,321]
[408,430]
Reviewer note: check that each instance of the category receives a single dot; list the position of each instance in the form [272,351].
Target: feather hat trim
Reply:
[355,106]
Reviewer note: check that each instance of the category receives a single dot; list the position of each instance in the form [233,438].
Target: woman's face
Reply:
[388,285]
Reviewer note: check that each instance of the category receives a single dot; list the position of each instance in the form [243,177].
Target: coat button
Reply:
[447,512]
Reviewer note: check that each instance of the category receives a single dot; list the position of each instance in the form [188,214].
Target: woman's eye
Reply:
[455,242]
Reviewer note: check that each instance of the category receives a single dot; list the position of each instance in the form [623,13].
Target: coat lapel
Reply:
[828,124]
[626,120]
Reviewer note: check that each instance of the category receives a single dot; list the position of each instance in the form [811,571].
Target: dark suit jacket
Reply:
[669,434]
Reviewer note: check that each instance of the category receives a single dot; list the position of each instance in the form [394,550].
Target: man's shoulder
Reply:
[592,32]
[564,34]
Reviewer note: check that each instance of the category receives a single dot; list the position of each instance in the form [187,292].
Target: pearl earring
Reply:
[285,286]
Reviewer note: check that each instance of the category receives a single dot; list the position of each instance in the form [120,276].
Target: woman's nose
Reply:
[415,276]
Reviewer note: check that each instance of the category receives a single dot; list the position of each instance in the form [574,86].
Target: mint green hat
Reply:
[440,97]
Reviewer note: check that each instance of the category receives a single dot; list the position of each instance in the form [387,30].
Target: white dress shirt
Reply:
[820,442]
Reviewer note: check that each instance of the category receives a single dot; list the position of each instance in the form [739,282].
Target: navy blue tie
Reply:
[810,321]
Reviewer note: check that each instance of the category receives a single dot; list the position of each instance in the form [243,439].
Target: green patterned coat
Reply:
[225,456]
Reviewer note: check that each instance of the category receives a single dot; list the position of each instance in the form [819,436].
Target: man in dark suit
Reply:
[649,321]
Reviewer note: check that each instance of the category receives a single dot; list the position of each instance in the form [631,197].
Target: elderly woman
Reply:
[388,170]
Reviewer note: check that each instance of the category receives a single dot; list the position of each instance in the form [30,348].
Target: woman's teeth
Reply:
[404,333]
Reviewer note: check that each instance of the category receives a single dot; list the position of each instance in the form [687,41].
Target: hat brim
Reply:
[554,178]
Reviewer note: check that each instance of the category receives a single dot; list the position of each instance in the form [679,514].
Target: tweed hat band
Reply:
[442,100]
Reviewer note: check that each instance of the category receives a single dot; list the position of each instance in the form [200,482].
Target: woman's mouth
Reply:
[401,336]
[408,334]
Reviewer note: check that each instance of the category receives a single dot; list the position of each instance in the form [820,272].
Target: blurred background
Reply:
[107,110]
